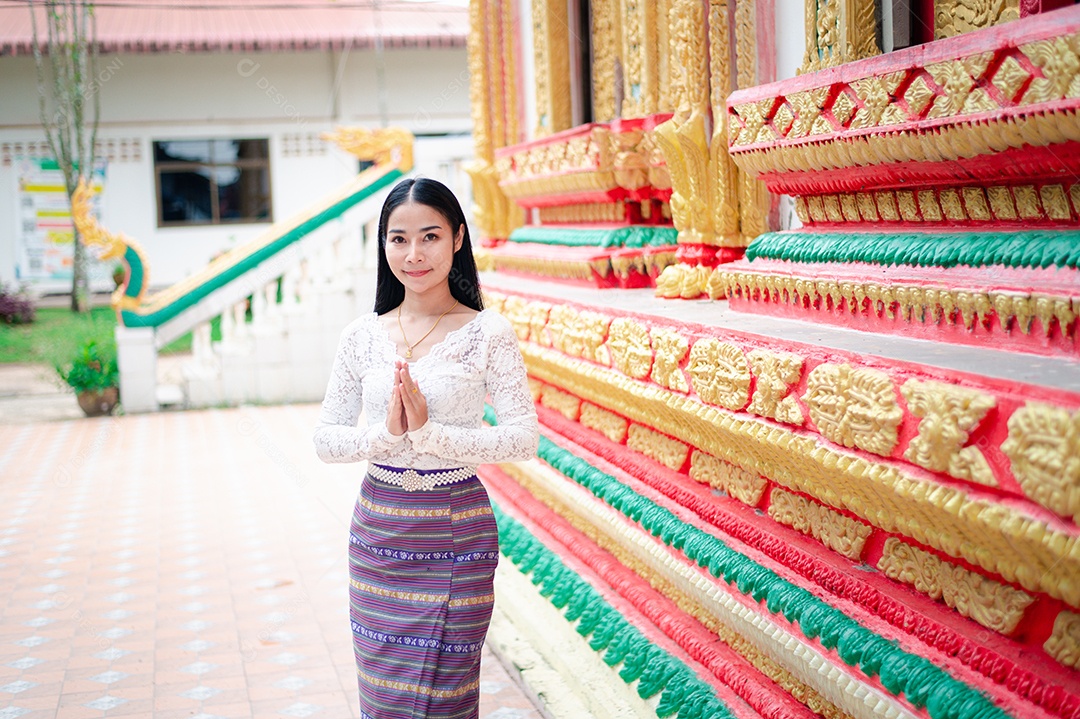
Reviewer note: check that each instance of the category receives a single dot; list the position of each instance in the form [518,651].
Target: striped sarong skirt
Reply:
[421,570]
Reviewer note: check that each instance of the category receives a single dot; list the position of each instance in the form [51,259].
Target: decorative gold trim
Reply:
[631,347]
[992,604]
[999,538]
[729,478]
[837,32]
[914,303]
[854,407]
[606,423]
[948,416]
[551,53]
[955,17]
[1064,643]
[841,534]
[564,403]
[583,213]
[1043,447]
[667,451]
[607,51]
[989,204]
[383,146]
[776,374]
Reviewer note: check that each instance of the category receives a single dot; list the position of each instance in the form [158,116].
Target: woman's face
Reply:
[420,246]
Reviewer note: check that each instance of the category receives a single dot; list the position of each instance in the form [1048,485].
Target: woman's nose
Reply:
[415,253]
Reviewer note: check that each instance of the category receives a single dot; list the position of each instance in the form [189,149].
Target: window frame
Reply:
[215,201]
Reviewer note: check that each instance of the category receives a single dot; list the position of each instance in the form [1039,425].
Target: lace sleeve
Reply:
[516,437]
[337,438]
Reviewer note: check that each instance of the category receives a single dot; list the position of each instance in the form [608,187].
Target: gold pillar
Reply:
[641,77]
[753,196]
[551,48]
[606,25]
[494,112]
[838,31]
[726,179]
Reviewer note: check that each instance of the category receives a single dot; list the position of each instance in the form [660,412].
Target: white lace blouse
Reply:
[455,376]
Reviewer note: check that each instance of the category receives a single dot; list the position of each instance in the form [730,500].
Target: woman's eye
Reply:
[431,236]
[396,240]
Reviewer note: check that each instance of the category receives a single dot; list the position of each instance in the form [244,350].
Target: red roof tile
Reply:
[155,26]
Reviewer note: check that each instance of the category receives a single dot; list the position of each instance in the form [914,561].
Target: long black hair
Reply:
[464,279]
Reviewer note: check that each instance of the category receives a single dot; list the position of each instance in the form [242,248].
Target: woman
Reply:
[423,544]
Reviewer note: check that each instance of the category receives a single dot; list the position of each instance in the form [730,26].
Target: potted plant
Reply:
[94,376]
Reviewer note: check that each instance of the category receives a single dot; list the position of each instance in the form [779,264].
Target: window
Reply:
[212,182]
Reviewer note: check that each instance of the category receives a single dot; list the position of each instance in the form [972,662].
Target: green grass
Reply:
[56,333]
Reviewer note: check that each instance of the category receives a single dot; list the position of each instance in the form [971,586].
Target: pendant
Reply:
[408,353]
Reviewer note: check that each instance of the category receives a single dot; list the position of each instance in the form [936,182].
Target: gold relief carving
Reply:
[843,107]
[850,207]
[640,58]
[1027,202]
[562,269]
[876,94]
[950,204]
[948,416]
[679,280]
[1022,548]
[551,65]
[630,166]
[536,314]
[832,208]
[867,208]
[607,49]
[1009,77]
[1074,193]
[670,348]
[1001,203]
[1055,202]
[582,213]
[667,451]
[816,207]
[992,604]
[479,87]
[854,407]
[776,374]
[1059,62]
[745,45]
[564,403]
[630,347]
[917,96]
[1064,642]
[606,423]
[953,17]
[801,210]
[1043,448]
[957,84]
[578,334]
[975,202]
[906,201]
[727,477]
[719,373]
[724,191]
[928,206]
[808,105]
[516,311]
[837,532]
[886,205]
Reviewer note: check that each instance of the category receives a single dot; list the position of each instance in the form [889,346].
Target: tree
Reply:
[66,85]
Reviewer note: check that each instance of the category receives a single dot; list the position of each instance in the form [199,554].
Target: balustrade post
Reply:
[137,357]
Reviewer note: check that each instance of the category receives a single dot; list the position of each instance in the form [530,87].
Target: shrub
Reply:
[93,368]
[16,307]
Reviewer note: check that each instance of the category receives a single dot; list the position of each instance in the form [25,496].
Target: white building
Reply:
[210,118]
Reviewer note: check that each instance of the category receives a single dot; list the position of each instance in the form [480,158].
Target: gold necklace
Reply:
[409,347]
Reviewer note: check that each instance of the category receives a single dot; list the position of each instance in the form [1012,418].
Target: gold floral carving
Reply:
[583,213]
[679,280]
[1064,642]
[536,387]
[564,403]
[606,423]
[729,478]
[1054,202]
[1058,60]
[670,349]
[949,414]
[745,45]
[579,333]
[776,373]
[837,532]
[630,347]
[855,407]
[607,52]
[640,55]
[667,451]
[719,373]
[953,17]
[1002,539]
[992,604]
[1043,448]
[479,87]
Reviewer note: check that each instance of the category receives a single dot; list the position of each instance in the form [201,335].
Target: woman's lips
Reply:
[418,273]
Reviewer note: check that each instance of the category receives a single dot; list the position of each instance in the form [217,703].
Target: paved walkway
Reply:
[182,564]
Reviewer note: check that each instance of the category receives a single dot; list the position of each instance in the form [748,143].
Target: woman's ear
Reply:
[459,238]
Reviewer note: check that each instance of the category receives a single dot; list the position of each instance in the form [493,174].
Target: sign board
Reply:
[44,249]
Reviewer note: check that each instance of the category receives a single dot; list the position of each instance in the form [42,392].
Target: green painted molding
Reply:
[228,274]
[607,631]
[629,236]
[900,672]
[1023,248]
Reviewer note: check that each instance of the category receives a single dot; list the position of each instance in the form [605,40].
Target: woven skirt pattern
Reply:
[421,570]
